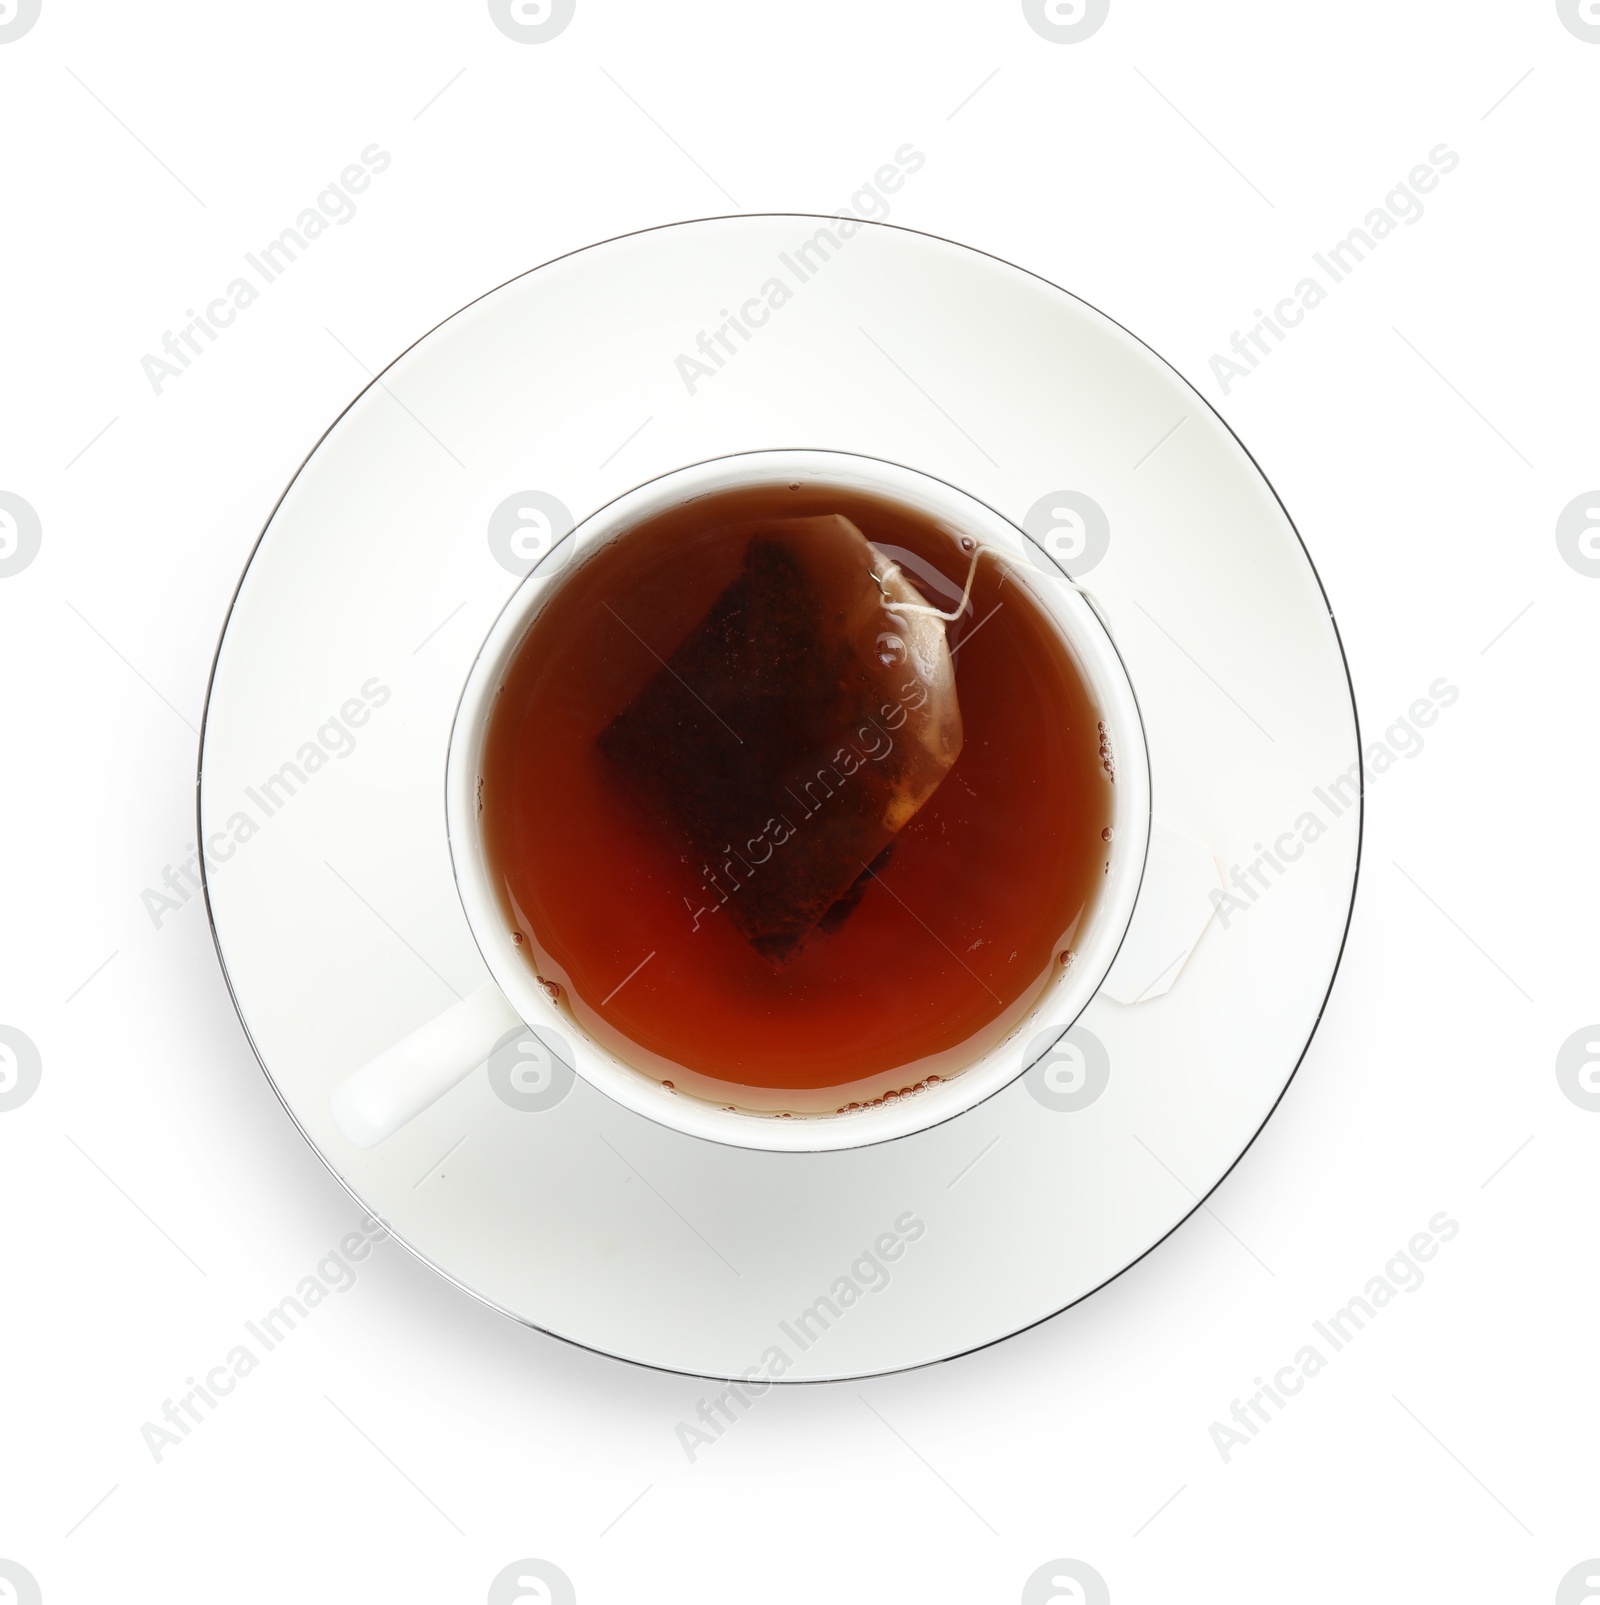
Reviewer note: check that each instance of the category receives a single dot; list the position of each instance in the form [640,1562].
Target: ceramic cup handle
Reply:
[401,1082]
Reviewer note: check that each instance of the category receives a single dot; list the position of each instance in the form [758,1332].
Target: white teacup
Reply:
[397,1085]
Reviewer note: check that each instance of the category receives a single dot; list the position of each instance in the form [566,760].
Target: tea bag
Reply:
[794,731]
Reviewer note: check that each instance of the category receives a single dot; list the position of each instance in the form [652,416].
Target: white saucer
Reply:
[379,574]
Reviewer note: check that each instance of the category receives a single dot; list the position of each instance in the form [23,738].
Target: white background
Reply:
[1425,428]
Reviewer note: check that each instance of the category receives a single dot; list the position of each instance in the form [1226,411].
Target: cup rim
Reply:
[635,1089]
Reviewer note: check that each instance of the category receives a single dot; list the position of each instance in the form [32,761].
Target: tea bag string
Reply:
[949,617]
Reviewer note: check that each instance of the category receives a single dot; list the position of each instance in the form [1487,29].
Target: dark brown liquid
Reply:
[927,962]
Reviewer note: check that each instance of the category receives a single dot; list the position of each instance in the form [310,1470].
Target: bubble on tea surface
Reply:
[795,730]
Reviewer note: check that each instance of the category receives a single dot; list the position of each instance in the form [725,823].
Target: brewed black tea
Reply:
[795,799]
